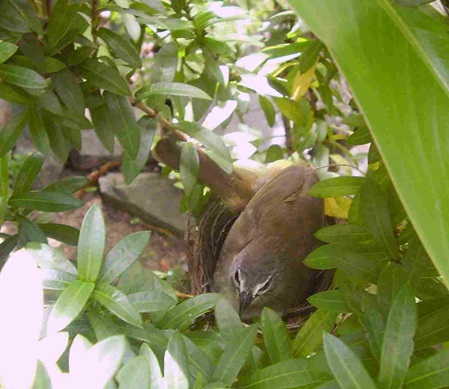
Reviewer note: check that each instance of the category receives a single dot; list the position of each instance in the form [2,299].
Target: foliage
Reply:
[126,68]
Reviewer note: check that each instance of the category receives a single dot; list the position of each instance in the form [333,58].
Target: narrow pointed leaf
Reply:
[69,304]
[343,233]
[11,132]
[91,244]
[135,374]
[335,187]
[189,167]
[7,49]
[330,300]
[37,131]
[68,185]
[430,373]
[61,232]
[397,345]
[118,303]
[69,91]
[172,89]
[121,47]
[235,355]
[20,76]
[275,334]
[123,255]
[45,201]
[227,318]
[345,365]
[151,301]
[156,379]
[48,257]
[28,173]
[102,126]
[176,368]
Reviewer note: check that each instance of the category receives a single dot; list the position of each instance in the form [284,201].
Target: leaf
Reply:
[29,231]
[13,94]
[172,89]
[415,263]
[123,255]
[61,232]
[274,153]
[189,167]
[123,123]
[433,321]
[199,362]
[104,76]
[118,303]
[56,279]
[121,47]
[397,345]
[165,64]
[235,355]
[228,320]
[29,15]
[135,374]
[157,382]
[91,244]
[69,91]
[374,325]
[68,185]
[176,371]
[151,301]
[102,125]
[208,138]
[335,187]
[42,379]
[310,55]
[346,367]
[20,76]
[45,201]
[37,131]
[275,335]
[11,132]
[104,358]
[132,167]
[322,257]
[346,233]
[416,37]
[48,257]
[330,300]
[69,304]
[391,280]
[375,212]
[360,136]
[310,335]
[185,313]
[28,172]
[6,247]
[288,374]
[61,20]
[268,110]
[7,49]
[429,373]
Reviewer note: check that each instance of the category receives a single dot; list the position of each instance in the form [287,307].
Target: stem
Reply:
[288,135]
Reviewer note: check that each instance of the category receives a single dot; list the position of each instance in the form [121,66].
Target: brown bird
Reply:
[265,230]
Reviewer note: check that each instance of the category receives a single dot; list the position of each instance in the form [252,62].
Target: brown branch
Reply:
[288,135]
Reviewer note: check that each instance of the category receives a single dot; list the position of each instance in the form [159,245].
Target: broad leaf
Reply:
[399,107]
[346,367]
[433,322]
[123,255]
[21,76]
[48,257]
[7,49]
[330,300]
[69,304]
[91,244]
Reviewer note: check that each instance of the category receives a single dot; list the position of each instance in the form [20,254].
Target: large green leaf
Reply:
[430,373]
[176,370]
[275,334]
[337,186]
[346,367]
[400,78]
[45,201]
[91,244]
[21,76]
[135,374]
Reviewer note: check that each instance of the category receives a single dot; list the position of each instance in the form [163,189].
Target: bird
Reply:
[255,234]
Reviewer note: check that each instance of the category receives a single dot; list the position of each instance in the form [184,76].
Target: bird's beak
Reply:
[245,300]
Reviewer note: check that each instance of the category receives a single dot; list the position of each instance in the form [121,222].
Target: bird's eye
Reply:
[237,278]
[263,287]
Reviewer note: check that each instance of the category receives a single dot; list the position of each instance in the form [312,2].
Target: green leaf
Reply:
[29,15]
[123,123]
[330,300]
[176,370]
[322,258]
[310,335]
[336,187]
[91,244]
[104,76]
[165,64]
[295,373]
[28,172]
[185,313]
[189,167]
[360,137]
[69,91]
[135,374]
[345,365]
[56,279]
[48,257]
[397,108]
[374,325]
[344,233]
[430,373]
[69,304]
[121,47]
[53,65]
[235,355]
[68,185]
[103,325]
[157,382]
[14,94]
[11,132]
[228,320]
[45,201]
[172,89]
[61,232]
[274,153]
[415,263]
[102,122]
[276,337]
[132,167]
[376,215]
[58,143]
[268,110]
[123,255]
[37,131]
[200,363]
[6,247]
[389,284]
[29,231]
[20,76]
[4,185]
[151,301]
[310,55]
[7,49]
[397,345]
[118,303]
[61,20]
[433,322]
[50,102]
[42,379]
[206,137]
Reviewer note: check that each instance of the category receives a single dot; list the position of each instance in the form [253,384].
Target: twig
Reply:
[288,135]
[95,176]
[184,295]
